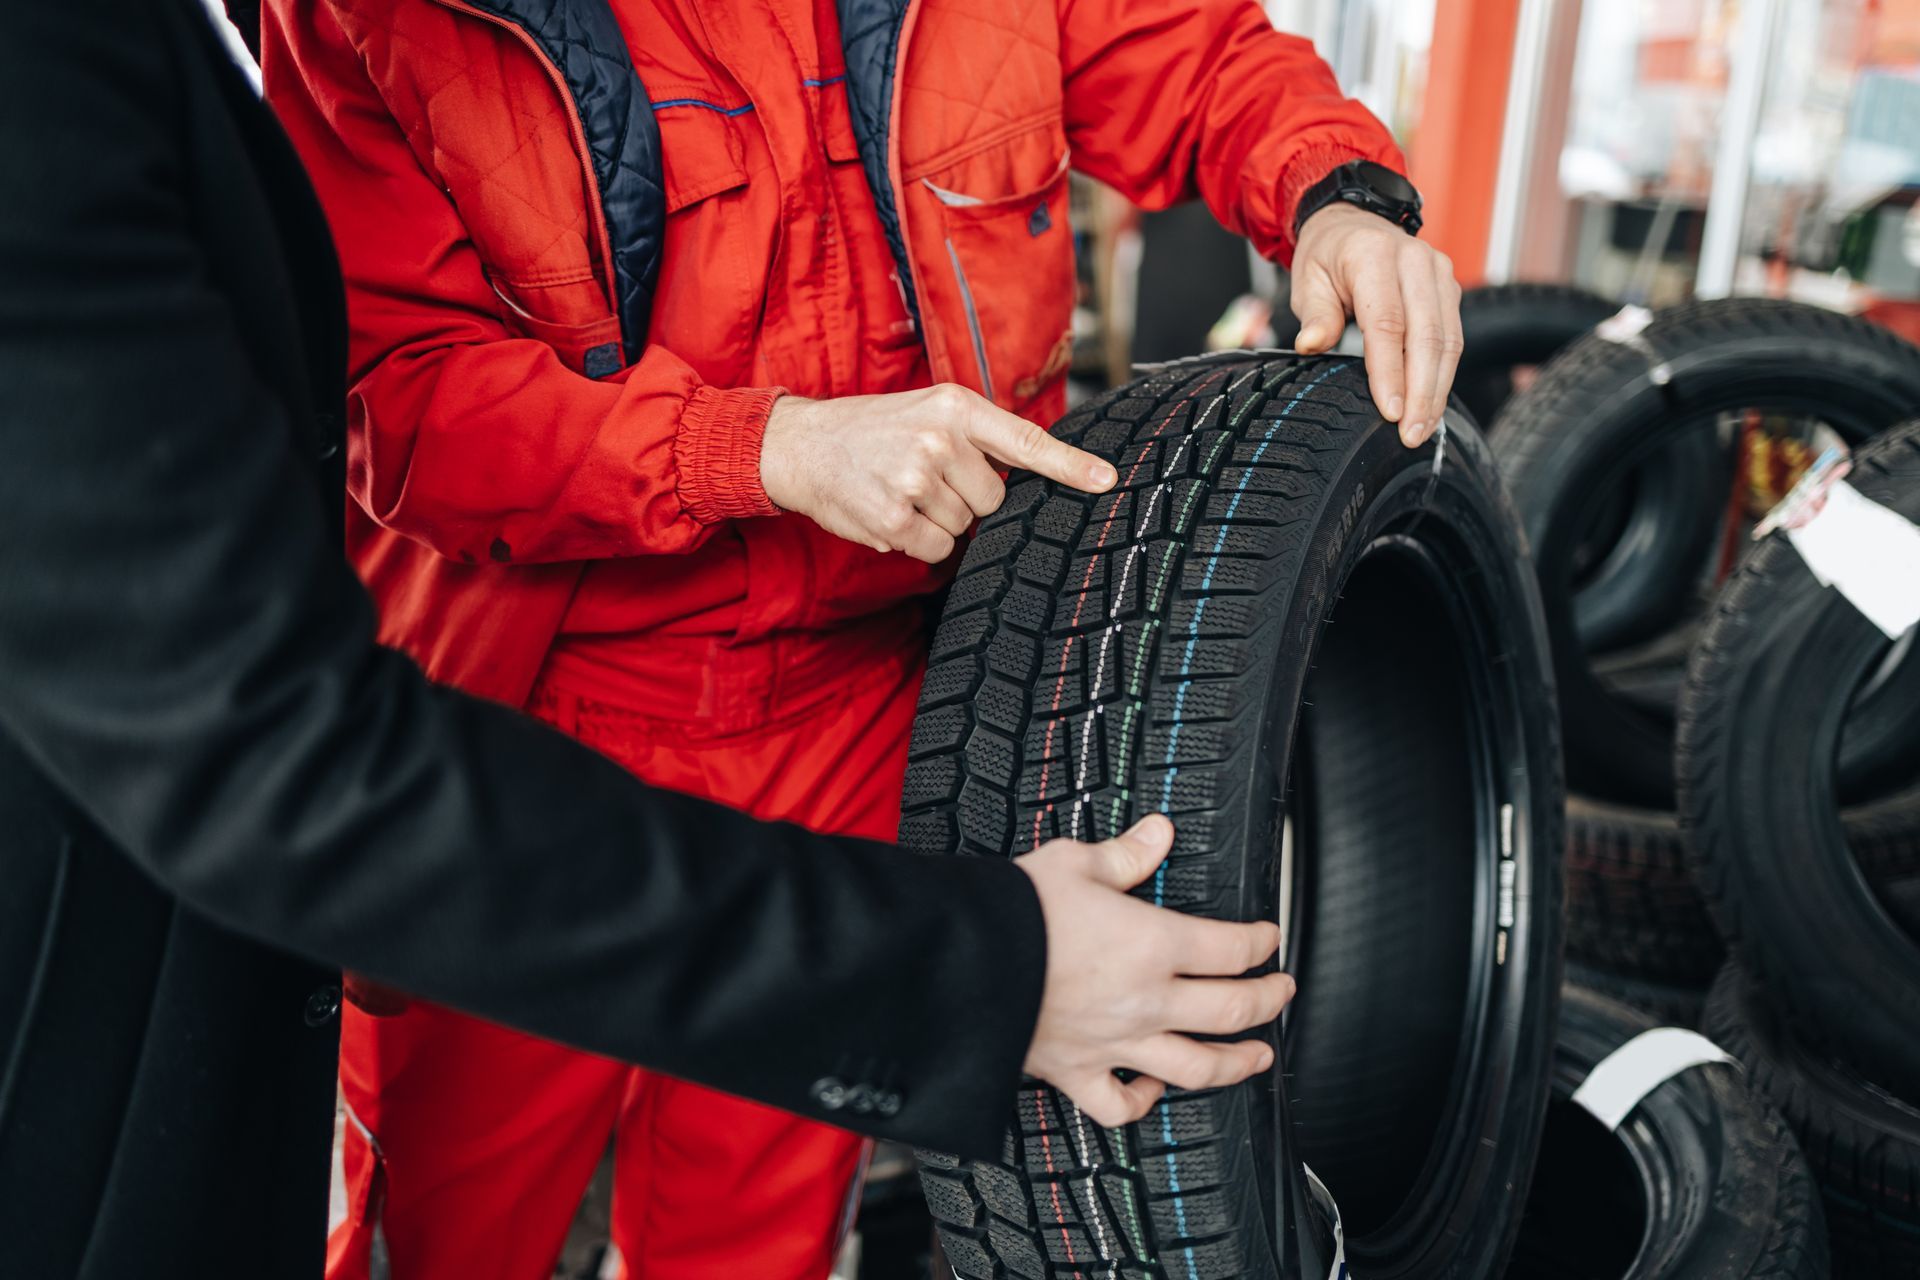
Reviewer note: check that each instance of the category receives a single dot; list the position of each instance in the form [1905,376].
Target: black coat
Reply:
[214,788]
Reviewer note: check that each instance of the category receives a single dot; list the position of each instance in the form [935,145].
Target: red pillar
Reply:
[1456,151]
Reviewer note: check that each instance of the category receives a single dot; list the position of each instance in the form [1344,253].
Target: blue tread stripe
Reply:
[1173,1181]
[1173,743]
[1200,609]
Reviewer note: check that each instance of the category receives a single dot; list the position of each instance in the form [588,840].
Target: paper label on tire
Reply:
[1866,552]
[1620,1080]
[1337,1269]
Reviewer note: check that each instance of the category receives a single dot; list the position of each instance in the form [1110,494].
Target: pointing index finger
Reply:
[1014,442]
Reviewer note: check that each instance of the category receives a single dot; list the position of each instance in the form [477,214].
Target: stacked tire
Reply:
[1511,331]
[1396,807]
[1786,691]
[1688,1174]
[1627,461]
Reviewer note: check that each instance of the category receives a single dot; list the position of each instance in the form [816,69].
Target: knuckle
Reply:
[1389,321]
[950,399]
[895,519]
[935,443]
[1028,440]
[1452,344]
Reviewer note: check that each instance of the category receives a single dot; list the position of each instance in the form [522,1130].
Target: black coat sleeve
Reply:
[185,653]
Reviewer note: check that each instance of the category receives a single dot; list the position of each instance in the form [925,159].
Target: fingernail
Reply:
[1413,433]
[1266,1056]
[1395,407]
[1103,474]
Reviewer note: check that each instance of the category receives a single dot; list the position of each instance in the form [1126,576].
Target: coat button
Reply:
[322,1006]
[888,1103]
[860,1099]
[830,1092]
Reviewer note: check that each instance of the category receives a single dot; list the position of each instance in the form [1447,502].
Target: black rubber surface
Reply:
[1667,1003]
[1603,409]
[1862,1142]
[1508,327]
[1632,907]
[1634,911]
[1636,564]
[1766,701]
[1271,546]
[1701,1181]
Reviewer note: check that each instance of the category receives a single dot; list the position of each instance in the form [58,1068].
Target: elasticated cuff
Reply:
[1307,168]
[716,453]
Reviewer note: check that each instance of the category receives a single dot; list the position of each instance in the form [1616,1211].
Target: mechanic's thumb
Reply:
[1322,317]
[1132,856]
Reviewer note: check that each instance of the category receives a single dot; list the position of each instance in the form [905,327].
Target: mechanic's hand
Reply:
[908,471]
[1402,294]
[1126,978]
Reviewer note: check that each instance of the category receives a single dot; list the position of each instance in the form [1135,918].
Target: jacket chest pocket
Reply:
[713,269]
[1005,296]
[568,311]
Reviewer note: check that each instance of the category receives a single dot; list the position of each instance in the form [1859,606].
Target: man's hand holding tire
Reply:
[1129,984]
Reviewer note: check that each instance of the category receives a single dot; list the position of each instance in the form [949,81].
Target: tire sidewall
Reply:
[1378,486]
[1787,889]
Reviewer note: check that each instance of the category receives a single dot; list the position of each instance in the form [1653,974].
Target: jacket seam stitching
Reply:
[973,147]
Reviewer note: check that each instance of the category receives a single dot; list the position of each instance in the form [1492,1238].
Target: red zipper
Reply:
[596,215]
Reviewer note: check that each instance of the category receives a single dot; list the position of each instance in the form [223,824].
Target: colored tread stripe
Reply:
[1206,581]
[1186,661]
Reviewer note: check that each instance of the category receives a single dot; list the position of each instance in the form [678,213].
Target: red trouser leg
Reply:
[713,1187]
[487,1137]
[486,1141]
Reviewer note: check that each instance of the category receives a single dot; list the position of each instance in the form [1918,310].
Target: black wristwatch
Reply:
[1373,187]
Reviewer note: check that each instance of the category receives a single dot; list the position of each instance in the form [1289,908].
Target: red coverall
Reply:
[600,550]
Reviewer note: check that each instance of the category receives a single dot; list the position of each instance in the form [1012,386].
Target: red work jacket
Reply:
[571,310]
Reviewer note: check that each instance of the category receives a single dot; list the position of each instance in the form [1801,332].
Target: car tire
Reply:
[1667,1003]
[1511,327]
[1601,411]
[1632,906]
[1634,911]
[1393,797]
[1507,327]
[1766,703]
[1862,1142]
[1700,1181]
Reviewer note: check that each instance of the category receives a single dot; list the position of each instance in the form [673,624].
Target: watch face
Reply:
[1386,182]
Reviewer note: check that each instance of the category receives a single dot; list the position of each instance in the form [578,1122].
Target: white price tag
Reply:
[1620,1080]
[1867,553]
